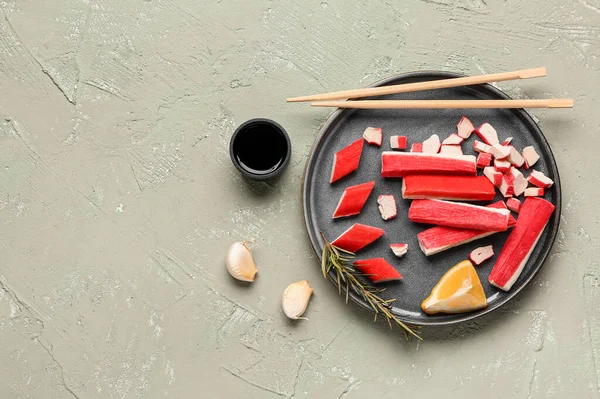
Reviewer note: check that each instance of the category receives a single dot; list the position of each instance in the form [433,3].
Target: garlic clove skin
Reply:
[239,262]
[295,299]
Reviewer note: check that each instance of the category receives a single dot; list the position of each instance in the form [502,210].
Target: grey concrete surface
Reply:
[118,200]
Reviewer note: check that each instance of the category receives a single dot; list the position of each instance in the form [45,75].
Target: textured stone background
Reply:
[118,201]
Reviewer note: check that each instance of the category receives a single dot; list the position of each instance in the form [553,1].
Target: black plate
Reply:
[420,273]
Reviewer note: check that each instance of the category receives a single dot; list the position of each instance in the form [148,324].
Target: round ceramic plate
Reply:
[420,273]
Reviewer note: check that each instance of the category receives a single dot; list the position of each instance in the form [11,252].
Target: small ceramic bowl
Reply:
[260,149]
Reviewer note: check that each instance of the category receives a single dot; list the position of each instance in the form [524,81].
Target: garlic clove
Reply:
[240,263]
[295,299]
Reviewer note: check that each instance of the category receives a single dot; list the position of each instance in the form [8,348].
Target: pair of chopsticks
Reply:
[324,100]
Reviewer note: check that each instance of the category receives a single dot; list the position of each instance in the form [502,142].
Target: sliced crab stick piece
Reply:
[378,270]
[346,160]
[353,199]
[357,237]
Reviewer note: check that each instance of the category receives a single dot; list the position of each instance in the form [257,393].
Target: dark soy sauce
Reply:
[260,148]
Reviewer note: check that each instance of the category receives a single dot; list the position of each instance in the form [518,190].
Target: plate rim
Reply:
[460,317]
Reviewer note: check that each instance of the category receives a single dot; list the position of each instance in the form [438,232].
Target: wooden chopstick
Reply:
[394,104]
[434,84]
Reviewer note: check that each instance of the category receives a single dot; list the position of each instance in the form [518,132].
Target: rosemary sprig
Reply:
[339,259]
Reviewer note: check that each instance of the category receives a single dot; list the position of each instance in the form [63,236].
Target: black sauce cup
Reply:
[260,149]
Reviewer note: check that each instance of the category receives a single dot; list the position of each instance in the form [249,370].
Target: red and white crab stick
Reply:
[535,214]
[458,214]
[400,164]
[465,188]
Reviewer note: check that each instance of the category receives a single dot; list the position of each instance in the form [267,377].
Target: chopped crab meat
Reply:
[501,166]
[534,192]
[519,181]
[481,254]
[398,142]
[530,156]
[387,206]
[493,175]
[373,136]
[515,157]
[399,249]
[507,187]
[539,179]
[500,152]
[513,204]
[465,127]
[484,159]
[482,147]
[416,147]
[432,144]
[453,139]
[451,149]
[487,133]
